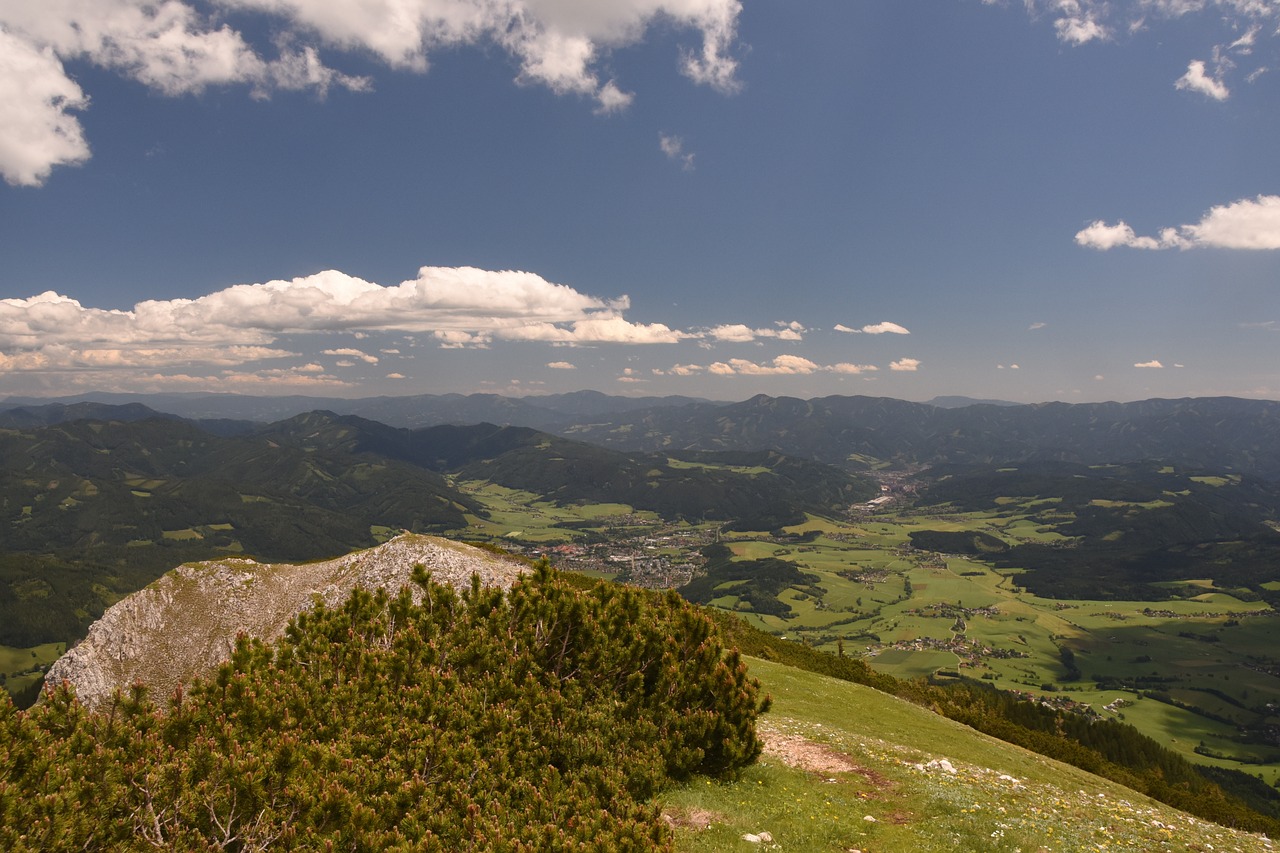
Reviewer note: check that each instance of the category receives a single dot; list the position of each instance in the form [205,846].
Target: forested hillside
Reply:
[1127,529]
[93,510]
[1219,433]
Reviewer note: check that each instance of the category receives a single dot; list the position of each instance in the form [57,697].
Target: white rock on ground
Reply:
[186,623]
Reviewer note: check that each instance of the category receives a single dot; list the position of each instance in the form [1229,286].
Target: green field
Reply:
[22,669]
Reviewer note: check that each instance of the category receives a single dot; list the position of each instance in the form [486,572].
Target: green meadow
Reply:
[849,768]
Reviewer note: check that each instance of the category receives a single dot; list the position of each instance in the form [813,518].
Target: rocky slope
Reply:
[186,622]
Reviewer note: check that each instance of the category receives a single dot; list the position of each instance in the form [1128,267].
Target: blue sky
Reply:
[1069,200]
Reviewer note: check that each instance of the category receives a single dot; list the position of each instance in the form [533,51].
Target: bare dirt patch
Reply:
[697,819]
[798,751]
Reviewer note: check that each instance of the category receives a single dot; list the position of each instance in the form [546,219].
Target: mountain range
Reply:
[1214,433]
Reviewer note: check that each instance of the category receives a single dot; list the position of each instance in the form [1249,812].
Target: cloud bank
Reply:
[1245,224]
[783,365]
[454,306]
[174,48]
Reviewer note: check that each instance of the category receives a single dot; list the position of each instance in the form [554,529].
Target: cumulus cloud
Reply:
[909,365]
[1244,224]
[456,307]
[175,48]
[740,333]
[1196,80]
[353,353]
[1152,363]
[882,328]
[561,365]
[38,127]
[783,365]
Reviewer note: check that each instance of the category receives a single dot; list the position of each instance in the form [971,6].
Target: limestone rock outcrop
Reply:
[186,623]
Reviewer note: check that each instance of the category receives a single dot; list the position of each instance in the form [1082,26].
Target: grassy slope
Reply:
[1002,798]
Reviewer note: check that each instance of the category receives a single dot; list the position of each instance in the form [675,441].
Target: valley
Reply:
[1138,591]
[1198,672]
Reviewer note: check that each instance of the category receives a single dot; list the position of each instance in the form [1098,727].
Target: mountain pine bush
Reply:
[543,718]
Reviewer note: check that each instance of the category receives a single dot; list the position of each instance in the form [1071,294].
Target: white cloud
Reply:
[458,307]
[353,353]
[673,147]
[1099,235]
[593,330]
[396,376]
[1243,22]
[561,365]
[37,128]
[1244,224]
[1196,80]
[1152,363]
[1034,326]
[783,365]
[174,48]
[681,370]
[905,364]
[739,333]
[458,339]
[1078,23]
[881,328]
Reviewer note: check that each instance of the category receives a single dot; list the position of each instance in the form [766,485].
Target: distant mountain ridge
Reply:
[92,509]
[1213,433]
[1217,433]
[538,412]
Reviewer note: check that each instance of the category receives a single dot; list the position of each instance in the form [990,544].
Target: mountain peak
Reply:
[186,622]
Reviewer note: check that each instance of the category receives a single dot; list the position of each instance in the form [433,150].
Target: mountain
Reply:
[26,417]
[751,488]
[1215,433]
[138,639]
[539,412]
[92,510]
[958,402]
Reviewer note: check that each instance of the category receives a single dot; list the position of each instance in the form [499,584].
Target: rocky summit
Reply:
[186,622]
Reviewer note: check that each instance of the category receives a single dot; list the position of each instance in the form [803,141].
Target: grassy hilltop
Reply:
[848,767]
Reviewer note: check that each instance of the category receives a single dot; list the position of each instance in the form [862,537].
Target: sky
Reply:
[1022,200]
